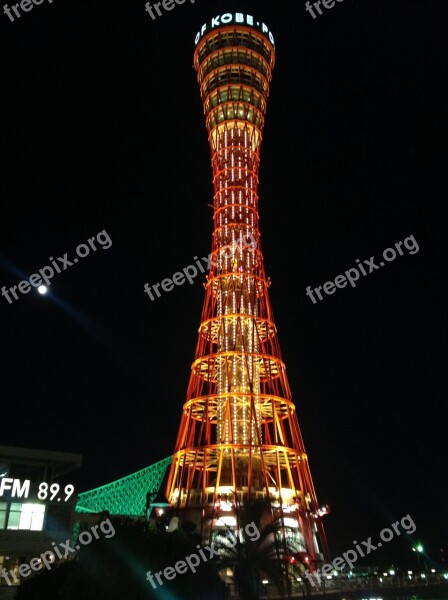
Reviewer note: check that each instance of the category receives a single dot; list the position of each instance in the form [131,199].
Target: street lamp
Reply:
[419,550]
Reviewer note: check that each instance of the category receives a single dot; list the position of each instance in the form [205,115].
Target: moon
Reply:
[42,289]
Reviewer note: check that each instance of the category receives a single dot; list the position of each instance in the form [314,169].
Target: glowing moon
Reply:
[42,289]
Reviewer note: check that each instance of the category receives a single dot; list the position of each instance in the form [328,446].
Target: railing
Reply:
[373,587]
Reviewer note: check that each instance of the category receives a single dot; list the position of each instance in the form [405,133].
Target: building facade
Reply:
[37,505]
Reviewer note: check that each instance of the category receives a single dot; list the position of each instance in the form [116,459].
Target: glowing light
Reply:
[230,521]
[42,289]
[127,495]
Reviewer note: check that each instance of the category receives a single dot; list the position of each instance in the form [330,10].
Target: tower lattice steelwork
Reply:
[239,432]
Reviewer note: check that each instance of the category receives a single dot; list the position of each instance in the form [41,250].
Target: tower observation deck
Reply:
[239,437]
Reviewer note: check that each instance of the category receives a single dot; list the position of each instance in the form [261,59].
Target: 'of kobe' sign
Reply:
[237,18]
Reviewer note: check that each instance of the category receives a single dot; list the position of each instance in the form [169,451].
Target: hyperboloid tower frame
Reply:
[239,433]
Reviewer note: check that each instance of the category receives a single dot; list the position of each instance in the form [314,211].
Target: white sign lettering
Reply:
[238,18]
[6,483]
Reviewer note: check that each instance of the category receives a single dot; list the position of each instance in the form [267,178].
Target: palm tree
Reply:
[253,558]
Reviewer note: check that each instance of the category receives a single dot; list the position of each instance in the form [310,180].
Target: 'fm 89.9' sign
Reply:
[15,488]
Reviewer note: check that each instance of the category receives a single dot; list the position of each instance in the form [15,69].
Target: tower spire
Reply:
[239,437]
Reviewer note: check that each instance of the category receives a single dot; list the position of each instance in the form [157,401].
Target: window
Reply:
[235,37]
[3,508]
[14,516]
[26,516]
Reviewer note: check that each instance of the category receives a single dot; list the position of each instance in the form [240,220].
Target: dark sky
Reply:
[103,130]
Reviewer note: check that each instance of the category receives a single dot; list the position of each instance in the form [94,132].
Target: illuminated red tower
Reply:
[239,432]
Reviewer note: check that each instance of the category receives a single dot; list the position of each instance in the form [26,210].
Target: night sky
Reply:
[104,130]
